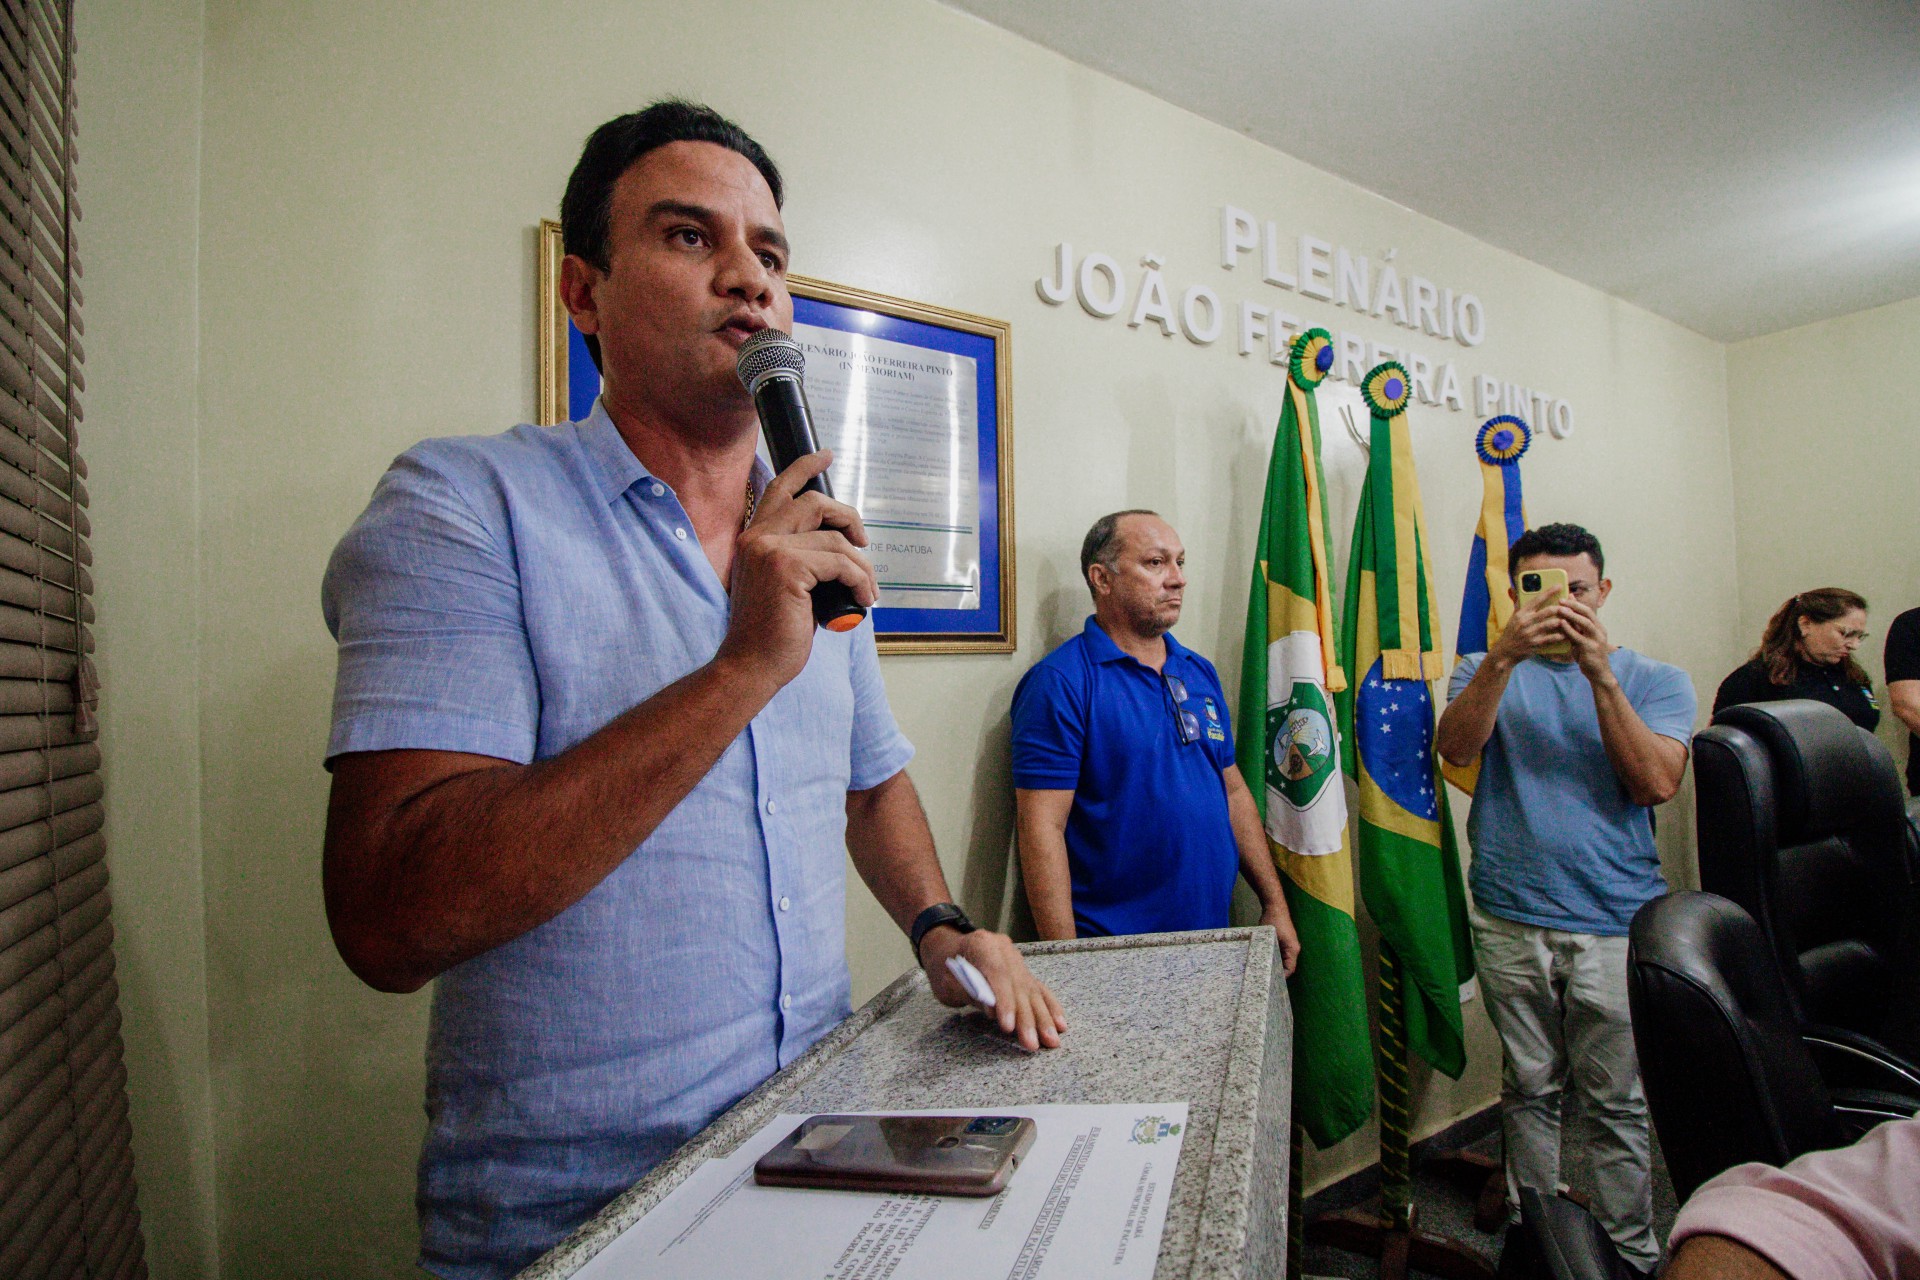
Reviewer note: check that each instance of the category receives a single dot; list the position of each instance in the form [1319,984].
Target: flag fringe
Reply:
[1408,664]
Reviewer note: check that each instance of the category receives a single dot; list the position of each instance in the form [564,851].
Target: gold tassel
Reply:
[1400,664]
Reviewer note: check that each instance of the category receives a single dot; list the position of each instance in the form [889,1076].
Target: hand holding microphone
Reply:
[770,365]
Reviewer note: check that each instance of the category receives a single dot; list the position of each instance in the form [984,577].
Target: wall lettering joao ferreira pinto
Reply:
[1325,274]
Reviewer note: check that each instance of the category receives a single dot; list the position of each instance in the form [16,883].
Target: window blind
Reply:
[67,1200]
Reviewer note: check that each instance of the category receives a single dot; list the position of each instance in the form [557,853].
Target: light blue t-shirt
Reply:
[509,595]
[1556,841]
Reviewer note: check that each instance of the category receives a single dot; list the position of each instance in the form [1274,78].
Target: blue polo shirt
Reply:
[1149,843]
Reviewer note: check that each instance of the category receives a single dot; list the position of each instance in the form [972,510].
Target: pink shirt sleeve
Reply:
[1829,1215]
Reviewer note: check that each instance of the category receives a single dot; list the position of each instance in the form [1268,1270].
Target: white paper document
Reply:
[1090,1199]
[902,422]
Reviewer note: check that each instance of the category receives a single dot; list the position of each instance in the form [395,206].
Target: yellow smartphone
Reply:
[1535,583]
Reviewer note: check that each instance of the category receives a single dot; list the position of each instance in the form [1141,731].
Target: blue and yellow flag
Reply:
[1289,754]
[1409,865]
[1485,605]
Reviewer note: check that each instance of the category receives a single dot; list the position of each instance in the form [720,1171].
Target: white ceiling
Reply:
[1739,166]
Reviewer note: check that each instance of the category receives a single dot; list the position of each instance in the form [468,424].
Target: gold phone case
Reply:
[1550,582]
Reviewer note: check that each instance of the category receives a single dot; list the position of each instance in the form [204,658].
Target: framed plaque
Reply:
[915,402]
[568,381]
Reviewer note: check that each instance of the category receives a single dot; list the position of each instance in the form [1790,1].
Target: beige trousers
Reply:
[1559,1002]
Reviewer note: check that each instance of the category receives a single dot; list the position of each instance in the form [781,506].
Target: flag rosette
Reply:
[1312,358]
[1385,389]
[1502,440]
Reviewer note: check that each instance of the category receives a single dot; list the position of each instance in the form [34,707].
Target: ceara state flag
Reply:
[1409,865]
[1289,753]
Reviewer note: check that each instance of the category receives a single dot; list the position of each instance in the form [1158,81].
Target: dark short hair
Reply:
[618,145]
[1102,543]
[1557,540]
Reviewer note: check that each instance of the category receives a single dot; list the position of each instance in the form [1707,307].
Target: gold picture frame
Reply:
[990,629]
[550,329]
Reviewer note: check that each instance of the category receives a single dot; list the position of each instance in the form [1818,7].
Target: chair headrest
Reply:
[1827,771]
[1711,942]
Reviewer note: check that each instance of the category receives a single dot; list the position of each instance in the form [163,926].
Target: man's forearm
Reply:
[1648,765]
[1256,863]
[1718,1258]
[892,849]
[434,857]
[1903,697]
[1041,837]
[1250,836]
[1466,726]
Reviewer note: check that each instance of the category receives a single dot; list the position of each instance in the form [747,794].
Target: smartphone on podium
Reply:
[1535,583]
[923,1155]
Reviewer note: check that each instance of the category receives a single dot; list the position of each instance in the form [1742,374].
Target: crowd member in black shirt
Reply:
[1807,652]
[1903,686]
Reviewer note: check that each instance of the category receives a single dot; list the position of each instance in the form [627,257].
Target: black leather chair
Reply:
[1727,1074]
[1561,1240]
[1802,822]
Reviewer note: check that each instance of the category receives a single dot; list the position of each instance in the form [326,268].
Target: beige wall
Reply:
[324,252]
[140,92]
[1824,466]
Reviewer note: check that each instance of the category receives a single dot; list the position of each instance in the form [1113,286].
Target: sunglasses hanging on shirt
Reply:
[1185,723]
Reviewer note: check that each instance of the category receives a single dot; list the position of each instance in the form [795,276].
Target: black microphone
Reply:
[770,365]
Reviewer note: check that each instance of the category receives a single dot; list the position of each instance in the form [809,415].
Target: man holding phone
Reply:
[1574,751]
[595,768]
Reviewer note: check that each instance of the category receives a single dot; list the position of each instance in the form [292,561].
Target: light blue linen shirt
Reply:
[509,596]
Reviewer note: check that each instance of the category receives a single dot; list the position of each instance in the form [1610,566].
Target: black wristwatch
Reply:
[932,918]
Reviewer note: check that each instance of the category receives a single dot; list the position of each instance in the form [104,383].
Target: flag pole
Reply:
[1409,879]
[1396,1120]
[1392,1235]
[1288,751]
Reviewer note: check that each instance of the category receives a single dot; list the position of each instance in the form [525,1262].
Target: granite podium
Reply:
[1201,1017]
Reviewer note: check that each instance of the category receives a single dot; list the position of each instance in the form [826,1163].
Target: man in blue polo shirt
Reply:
[1133,817]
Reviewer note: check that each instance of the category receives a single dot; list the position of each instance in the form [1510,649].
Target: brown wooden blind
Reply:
[67,1204]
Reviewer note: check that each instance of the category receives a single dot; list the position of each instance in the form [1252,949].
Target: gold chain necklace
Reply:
[753,504]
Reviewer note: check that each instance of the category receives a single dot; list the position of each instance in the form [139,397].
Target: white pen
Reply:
[972,979]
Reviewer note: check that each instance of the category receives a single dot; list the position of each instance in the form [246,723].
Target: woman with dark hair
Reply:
[1807,652]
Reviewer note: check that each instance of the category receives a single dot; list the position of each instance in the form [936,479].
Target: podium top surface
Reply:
[1195,1017]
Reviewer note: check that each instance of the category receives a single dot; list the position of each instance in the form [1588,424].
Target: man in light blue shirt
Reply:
[594,766]
[1574,753]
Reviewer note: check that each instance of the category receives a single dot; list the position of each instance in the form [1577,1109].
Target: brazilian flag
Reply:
[1409,865]
[1289,754]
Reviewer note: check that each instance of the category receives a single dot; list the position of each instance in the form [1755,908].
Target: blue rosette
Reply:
[1500,441]
[1312,359]
[1386,389]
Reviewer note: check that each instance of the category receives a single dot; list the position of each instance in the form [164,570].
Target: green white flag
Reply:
[1289,753]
